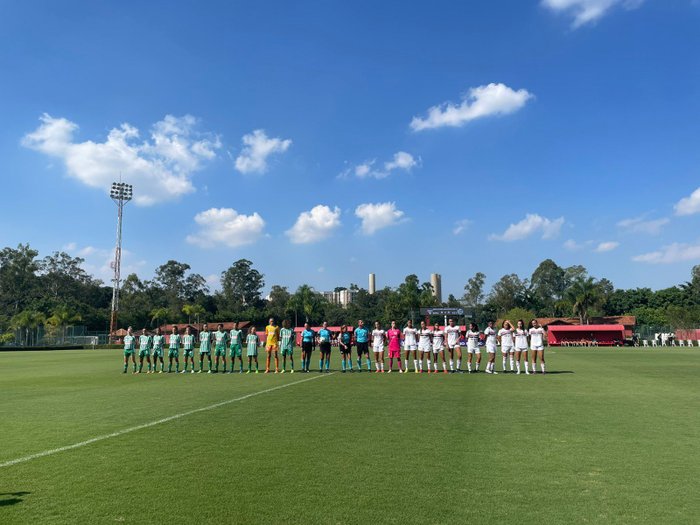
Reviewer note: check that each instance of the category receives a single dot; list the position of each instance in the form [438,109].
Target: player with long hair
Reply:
[325,337]
[345,347]
[536,333]
[453,333]
[378,340]
[491,343]
[188,346]
[473,336]
[145,342]
[410,344]
[252,342]
[158,345]
[174,350]
[204,347]
[521,345]
[220,347]
[129,349]
[272,336]
[393,335]
[425,346]
[235,337]
[362,344]
[439,348]
[308,337]
[287,345]
[505,339]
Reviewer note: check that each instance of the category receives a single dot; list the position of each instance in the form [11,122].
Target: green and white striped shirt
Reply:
[236,337]
[144,342]
[188,341]
[286,338]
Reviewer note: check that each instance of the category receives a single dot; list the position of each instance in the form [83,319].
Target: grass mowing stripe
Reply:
[153,423]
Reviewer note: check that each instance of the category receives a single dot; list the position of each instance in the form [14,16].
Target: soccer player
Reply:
[439,348]
[491,343]
[204,347]
[536,345]
[252,341]
[505,337]
[145,350]
[345,346]
[236,348]
[174,350]
[521,345]
[287,345]
[324,344]
[393,335]
[378,339]
[362,343]
[158,344]
[272,340]
[473,335]
[308,338]
[453,332]
[409,345]
[220,347]
[188,345]
[129,349]
[425,346]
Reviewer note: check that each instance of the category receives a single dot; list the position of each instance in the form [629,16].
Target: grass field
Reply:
[609,436]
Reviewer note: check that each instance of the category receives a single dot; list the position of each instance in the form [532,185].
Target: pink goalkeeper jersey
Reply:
[394,337]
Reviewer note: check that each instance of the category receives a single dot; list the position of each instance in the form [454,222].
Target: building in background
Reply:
[372,284]
[342,297]
[436,283]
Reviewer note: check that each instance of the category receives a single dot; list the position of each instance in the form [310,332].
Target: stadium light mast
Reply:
[121,193]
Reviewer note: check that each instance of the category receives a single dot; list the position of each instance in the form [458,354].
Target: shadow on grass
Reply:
[552,372]
[11,498]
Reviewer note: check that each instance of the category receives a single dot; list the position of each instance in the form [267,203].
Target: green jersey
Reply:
[174,341]
[252,343]
[144,342]
[204,341]
[236,337]
[220,338]
[158,342]
[286,338]
[188,341]
[129,342]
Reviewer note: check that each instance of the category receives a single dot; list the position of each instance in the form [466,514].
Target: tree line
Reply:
[55,292]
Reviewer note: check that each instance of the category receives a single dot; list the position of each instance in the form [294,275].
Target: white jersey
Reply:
[377,338]
[438,339]
[452,335]
[409,337]
[490,334]
[424,341]
[537,338]
[472,339]
[520,339]
[506,336]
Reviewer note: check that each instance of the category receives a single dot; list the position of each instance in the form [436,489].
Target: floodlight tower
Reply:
[121,193]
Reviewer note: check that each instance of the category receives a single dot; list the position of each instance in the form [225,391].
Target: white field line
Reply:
[153,423]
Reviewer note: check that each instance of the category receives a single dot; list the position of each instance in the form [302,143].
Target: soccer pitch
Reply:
[607,436]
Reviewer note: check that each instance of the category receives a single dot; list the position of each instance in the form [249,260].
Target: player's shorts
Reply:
[491,349]
[287,351]
[395,352]
[127,353]
[473,350]
[363,348]
[144,353]
[158,352]
[537,348]
[325,347]
[188,352]
[204,351]
[377,349]
[271,348]
[307,346]
[236,350]
[452,346]
[438,349]
[173,353]
[252,352]
[345,349]
[521,348]
[410,348]
[220,351]
[507,349]
[425,347]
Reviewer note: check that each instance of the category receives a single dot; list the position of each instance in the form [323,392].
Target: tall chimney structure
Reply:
[436,282]
[372,284]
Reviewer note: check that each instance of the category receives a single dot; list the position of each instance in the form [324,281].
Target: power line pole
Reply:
[121,193]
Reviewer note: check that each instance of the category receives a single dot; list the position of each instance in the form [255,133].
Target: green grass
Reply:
[609,437]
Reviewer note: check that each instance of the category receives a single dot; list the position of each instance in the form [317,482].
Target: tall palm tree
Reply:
[62,316]
[193,309]
[583,294]
[26,322]
[159,314]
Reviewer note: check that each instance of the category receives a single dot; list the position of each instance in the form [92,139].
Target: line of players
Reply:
[423,342]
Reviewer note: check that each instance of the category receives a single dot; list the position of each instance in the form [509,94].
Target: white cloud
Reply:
[160,169]
[401,161]
[377,216]
[71,246]
[689,205]
[226,227]
[672,253]
[639,225]
[460,226]
[587,11]
[314,225]
[482,101]
[257,147]
[530,225]
[321,269]
[213,281]
[572,245]
[607,246]
[98,261]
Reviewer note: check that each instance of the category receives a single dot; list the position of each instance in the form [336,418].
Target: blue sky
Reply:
[326,140]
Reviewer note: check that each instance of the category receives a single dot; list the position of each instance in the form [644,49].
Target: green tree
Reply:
[548,284]
[18,279]
[584,294]
[27,323]
[158,315]
[193,310]
[307,305]
[241,285]
[61,317]
[474,292]
[507,293]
